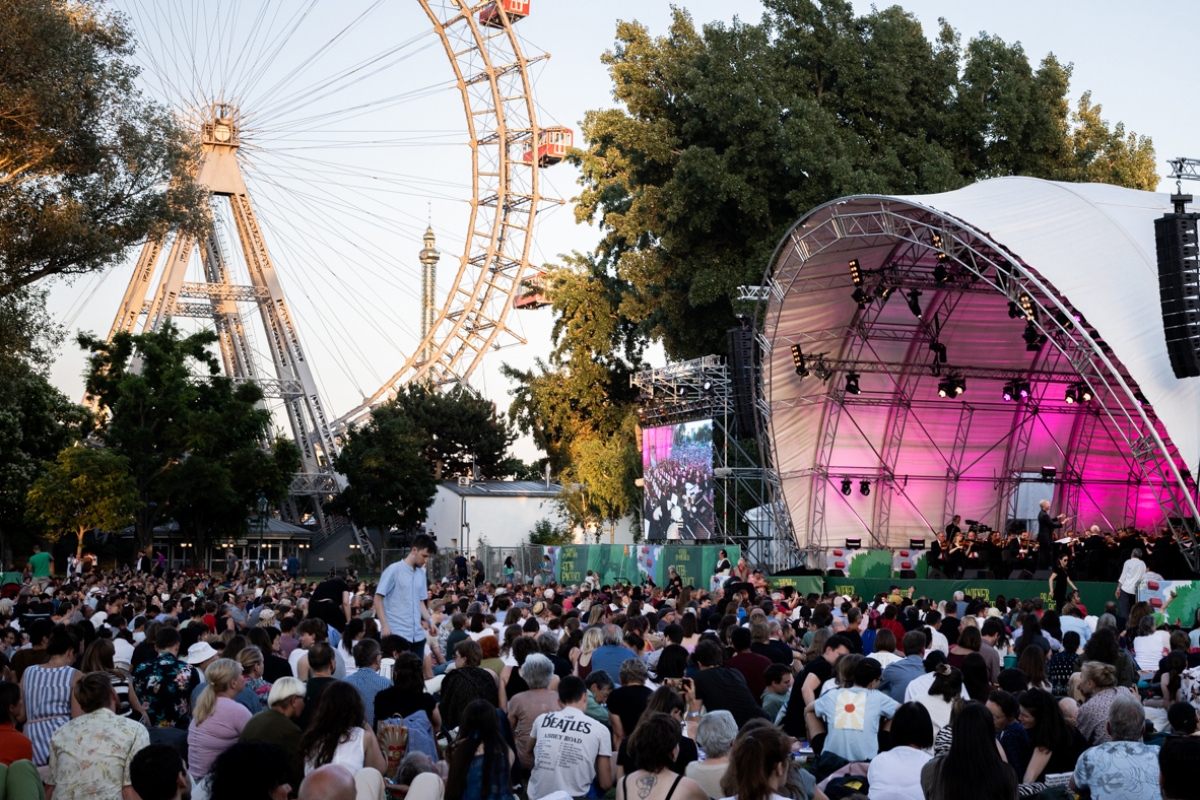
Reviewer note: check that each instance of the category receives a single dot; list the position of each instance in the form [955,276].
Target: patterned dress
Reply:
[47,706]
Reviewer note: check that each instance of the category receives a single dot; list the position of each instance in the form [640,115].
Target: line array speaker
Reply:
[1179,290]
[742,361]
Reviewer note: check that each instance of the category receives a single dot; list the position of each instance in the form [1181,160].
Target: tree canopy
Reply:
[394,462]
[194,439]
[83,490]
[724,135]
[88,167]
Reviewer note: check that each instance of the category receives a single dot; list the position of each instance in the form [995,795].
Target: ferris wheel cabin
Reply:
[533,295]
[515,9]
[552,146]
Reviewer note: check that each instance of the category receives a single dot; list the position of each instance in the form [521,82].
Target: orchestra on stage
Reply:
[970,549]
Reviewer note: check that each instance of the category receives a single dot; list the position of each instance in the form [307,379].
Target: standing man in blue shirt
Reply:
[402,599]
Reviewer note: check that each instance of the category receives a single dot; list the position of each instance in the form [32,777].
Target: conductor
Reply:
[1045,535]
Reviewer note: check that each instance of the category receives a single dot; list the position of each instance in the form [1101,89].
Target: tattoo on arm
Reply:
[645,786]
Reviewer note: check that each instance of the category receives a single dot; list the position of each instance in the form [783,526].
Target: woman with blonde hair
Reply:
[592,638]
[253,665]
[217,719]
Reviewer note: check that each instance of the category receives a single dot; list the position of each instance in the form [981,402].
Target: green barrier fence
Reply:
[615,563]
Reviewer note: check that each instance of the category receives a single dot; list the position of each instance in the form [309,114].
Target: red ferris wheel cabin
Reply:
[516,10]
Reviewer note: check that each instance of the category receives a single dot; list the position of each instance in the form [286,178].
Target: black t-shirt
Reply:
[725,689]
[395,703]
[331,589]
[688,752]
[628,703]
[1060,586]
[949,629]
[276,667]
[793,717]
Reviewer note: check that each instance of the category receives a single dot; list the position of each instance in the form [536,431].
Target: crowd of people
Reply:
[130,685]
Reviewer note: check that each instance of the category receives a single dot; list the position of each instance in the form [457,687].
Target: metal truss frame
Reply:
[293,382]
[702,388]
[974,263]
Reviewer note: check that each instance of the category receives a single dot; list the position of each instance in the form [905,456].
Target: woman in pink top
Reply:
[218,719]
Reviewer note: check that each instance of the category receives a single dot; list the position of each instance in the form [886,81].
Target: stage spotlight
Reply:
[846,486]
[706,387]
[1064,320]
[1141,398]
[864,487]
[883,291]
[936,240]
[914,302]
[861,297]
[945,388]
[798,360]
[960,385]
[1071,395]
[1023,389]
[1014,310]
[1027,307]
[854,544]
[940,350]
[1009,392]
[939,272]
[855,273]
[1048,473]
[852,383]
[1085,394]
[1033,339]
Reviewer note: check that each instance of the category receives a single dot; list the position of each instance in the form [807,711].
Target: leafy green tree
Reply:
[389,481]
[194,440]
[461,432]
[547,534]
[725,135]
[83,490]
[579,407]
[88,167]
[36,420]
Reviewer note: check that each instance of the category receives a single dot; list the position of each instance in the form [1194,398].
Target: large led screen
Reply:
[677,470]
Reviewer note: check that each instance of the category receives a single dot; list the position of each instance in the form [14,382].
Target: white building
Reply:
[500,514]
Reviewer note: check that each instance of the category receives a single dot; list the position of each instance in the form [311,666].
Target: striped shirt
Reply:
[47,706]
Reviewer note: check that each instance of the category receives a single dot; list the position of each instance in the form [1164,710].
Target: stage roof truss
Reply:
[919,239]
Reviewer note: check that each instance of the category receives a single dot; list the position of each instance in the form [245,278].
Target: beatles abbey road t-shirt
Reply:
[567,743]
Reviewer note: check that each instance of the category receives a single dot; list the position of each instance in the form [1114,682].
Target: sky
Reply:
[343,197]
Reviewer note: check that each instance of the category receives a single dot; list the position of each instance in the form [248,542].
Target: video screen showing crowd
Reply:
[677,471]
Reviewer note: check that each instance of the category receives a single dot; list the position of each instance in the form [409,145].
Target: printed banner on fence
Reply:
[614,563]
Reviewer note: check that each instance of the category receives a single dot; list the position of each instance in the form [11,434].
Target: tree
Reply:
[88,167]
[389,481]
[461,433]
[36,420]
[83,490]
[547,534]
[579,406]
[200,448]
[724,136]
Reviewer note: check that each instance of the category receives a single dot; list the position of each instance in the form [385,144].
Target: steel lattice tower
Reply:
[218,299]
[429,260]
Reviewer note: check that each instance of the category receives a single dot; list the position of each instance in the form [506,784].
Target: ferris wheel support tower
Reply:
[217,298]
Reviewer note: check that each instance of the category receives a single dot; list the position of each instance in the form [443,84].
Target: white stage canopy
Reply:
[1022,281]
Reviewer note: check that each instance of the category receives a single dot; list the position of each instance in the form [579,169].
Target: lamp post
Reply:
[262,524]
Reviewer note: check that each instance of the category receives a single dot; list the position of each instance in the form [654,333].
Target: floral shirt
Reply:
[162,686]
[90,756]
[261,689]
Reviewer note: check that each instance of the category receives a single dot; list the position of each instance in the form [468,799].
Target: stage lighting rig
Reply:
[798,360]
[855,272]
[939,349]
[1023,389]
[914,302]
[939,273]
[1014,310]
[864,487]
[1027,307]
[861,297]
[960,385]
[1009,392]
[1071,395]
[1033,339]
[852,383]
[846,486]
[945,387]
[1085,393]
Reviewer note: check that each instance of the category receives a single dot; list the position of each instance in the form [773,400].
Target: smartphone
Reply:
[674,683]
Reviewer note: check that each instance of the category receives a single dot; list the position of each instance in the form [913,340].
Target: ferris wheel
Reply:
[322,126]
